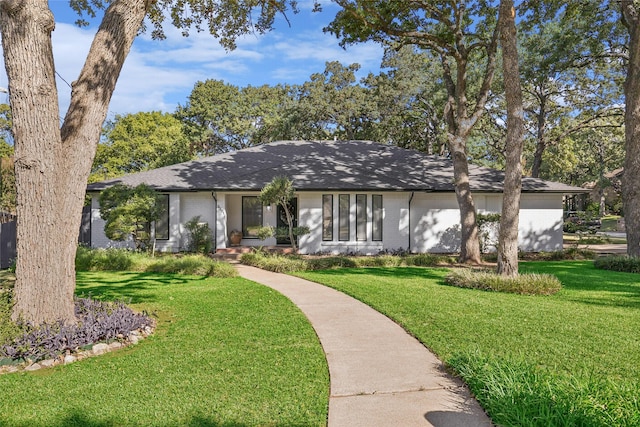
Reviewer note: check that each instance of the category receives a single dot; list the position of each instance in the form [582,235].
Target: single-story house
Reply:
[355,196]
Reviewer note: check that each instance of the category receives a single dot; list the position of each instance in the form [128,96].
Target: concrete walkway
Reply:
[380,376]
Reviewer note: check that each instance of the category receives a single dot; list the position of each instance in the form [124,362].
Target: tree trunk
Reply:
[53,163]
[508,239]
[469,242]
[631,177]
[294,246]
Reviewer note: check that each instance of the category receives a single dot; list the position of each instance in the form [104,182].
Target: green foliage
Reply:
[200,239]
[8,329]
[514,392]
[280,191]
[124,260]
[621,263]
[265,232]
[525,284]
[129,212]
[489,228]
[7,182]
[139,142]
[6,135]
[198,265]
[292,263]
[275,263]
[105,259]
[220,117]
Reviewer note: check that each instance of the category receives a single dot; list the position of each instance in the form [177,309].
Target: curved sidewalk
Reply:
[380,376]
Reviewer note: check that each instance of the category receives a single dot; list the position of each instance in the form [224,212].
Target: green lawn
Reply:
[568,359]
[227,352]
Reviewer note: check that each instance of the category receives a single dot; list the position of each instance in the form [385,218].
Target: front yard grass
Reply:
[572,358]
[225,352]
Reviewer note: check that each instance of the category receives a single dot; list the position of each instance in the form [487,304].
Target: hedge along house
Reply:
[355,196]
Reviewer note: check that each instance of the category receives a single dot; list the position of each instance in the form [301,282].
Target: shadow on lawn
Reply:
[76,418]
[131,287]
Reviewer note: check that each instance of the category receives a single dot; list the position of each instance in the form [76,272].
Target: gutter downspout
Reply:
[215,221]
[409,221]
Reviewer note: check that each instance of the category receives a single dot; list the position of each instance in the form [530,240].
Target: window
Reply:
[327,217]
[361,217]
[376,222]
[343,217]
[162,223]
[251,217]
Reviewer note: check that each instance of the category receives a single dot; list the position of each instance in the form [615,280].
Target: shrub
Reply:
[325,263]
[125,260]
[275,263]
[97,321]
[192,264]
[428,260]
[621,263]
[525,284]
[285,264]
[200,235]
[103,259]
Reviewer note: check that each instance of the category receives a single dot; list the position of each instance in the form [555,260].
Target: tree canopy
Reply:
[138,142]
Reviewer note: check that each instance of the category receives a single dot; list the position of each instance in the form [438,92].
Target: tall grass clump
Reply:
[288,263]
[514,392]
[525,284]
[621,263]
[274,262]
[127,260]
[197,265]
[104,259]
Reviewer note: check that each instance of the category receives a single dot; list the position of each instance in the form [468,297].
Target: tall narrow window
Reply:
[343,217]
[162,223]
[361,217]
[251,217]
[377,216]
[327,217]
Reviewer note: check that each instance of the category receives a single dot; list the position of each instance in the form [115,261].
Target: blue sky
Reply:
[159,75]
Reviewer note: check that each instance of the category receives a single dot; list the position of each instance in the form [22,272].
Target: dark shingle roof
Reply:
[326,165]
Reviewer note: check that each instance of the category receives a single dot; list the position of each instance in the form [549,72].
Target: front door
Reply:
[281,221]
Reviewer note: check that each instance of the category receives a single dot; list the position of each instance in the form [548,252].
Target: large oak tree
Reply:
[509,220]
[464,36]
[53,161]
[630,187]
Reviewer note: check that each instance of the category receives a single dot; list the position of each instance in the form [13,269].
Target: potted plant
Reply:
[235,237]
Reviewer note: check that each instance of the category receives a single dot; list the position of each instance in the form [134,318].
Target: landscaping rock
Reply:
[33,367]
[48,363]
[100,348]
[69,358]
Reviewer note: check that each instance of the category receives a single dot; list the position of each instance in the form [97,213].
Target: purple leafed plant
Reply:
[97,321]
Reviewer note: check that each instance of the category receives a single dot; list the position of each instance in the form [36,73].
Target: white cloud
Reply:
[157,75]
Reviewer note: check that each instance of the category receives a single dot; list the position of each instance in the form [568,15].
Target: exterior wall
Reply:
[435,221]
[182,207]
[420,222]
[188,206]
[395,231]
[541,222]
